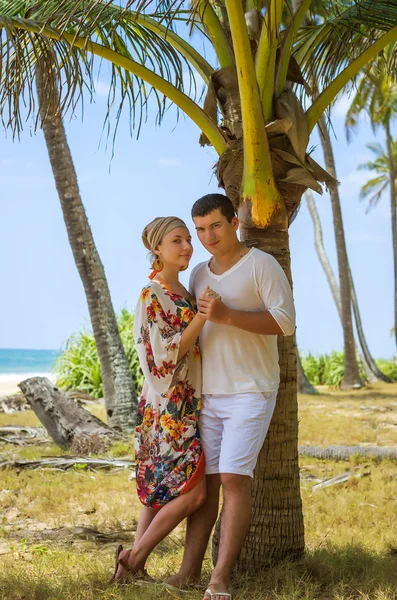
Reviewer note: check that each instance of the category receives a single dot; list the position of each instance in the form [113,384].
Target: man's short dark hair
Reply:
[207,204]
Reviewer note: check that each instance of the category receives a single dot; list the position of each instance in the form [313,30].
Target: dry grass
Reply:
[350,528]
[367,417]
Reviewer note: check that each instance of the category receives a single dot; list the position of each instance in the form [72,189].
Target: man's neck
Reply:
[232,255]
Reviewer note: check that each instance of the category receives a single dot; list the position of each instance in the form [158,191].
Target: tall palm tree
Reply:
[119,390]
[258,127]
[372,370]
[351,375]
[376,95]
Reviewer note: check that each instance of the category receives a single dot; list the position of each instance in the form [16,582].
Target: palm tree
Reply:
[119,390]
[372,370]
[351,376]
[374,188]
[377,96]
[255,122]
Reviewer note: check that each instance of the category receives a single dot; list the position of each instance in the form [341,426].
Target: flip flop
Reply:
[116,566]
[213,595]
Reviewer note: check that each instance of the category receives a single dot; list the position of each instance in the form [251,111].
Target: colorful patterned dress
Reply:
[168,451]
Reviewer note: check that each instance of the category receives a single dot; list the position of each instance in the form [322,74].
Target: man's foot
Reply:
[217,591]
[180,580]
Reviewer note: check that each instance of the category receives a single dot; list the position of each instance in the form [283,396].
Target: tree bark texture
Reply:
[351,378]
[65,420]
[119,390]
[393,207]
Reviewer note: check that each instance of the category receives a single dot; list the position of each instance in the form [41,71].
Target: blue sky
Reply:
[42,300]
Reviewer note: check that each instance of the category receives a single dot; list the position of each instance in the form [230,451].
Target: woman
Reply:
[170,462]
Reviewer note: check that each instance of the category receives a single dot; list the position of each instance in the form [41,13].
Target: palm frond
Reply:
[374,199]
[23,39]
[323,50]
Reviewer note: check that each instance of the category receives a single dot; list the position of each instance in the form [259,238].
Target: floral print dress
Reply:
[168,451]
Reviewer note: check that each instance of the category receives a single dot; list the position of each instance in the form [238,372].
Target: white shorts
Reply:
[233,429]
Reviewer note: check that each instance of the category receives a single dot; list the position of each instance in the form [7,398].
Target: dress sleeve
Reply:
[275,292]
[157,342]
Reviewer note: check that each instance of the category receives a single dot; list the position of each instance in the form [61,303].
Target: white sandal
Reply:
[213,594]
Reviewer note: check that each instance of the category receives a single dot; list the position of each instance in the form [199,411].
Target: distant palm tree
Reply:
[376,95]
[374,188]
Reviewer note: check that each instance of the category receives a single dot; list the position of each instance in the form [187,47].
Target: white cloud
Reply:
[102,88]
[6,162]
[170,162]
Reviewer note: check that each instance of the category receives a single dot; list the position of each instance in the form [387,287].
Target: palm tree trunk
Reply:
[367,356]
[277,528]
[373,372]
[119,390]
[304,385]
[351,378]
[393,207]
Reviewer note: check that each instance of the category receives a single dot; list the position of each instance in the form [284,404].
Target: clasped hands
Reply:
[211,307]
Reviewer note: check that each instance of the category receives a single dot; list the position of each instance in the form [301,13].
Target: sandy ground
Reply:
[9,385]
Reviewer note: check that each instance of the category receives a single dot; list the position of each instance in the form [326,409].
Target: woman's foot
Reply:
[128,567]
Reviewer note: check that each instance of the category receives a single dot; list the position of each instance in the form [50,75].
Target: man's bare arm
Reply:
[256,322]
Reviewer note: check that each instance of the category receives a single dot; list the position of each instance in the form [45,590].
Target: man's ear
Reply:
[235,223]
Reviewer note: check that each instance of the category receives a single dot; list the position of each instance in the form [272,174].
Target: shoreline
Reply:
[9,381]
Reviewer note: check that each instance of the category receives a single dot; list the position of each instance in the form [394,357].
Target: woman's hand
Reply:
[210,305]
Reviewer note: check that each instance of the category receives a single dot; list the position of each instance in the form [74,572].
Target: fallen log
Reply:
[68,423]
[13,403]
[346,452]
[68,462]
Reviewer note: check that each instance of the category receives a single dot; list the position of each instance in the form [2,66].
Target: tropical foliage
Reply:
[328,369]
[78,366]
[372,190]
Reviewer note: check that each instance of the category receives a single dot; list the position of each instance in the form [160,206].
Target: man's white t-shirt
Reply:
[236,361]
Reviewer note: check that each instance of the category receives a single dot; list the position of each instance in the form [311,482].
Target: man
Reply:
[240,380]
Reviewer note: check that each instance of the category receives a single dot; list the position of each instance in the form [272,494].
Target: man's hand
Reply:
[211,306]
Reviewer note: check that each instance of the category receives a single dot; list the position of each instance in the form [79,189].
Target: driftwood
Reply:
[20,436]
[66,421]
[18,402]
[341,478]
[345,452]
[67,462]
[13,403]
[66,535]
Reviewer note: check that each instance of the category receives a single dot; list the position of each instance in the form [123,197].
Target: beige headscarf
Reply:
[156,230]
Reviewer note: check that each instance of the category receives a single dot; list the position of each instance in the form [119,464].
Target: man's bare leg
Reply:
[236,517]
[198,532]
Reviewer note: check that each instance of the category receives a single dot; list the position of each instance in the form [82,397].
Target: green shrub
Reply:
[388,367]
[78,366]
[327,369]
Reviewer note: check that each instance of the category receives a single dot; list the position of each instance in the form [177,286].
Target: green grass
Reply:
[351,528]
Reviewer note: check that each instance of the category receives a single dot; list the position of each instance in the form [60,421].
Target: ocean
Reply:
[17,362]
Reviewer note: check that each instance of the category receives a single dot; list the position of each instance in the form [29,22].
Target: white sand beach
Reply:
[9,382]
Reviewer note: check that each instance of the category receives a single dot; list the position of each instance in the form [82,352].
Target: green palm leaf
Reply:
[323,50]
[25,42]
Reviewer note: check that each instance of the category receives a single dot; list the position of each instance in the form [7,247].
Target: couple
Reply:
[210,362]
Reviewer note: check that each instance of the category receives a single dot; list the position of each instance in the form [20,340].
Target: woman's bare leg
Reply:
[146,517]
[165,520]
